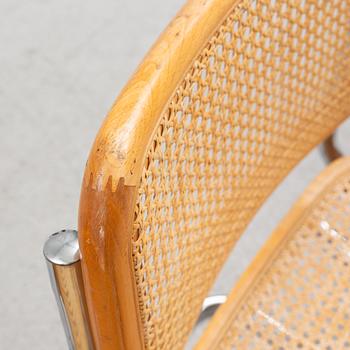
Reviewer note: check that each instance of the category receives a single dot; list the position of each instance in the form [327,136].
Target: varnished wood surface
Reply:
[111,183]
[105,224]
[114,168]
[120,146]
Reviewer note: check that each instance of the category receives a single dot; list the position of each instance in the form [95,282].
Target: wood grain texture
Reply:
[105,224]
[120,146]
[207,127]
[114,168]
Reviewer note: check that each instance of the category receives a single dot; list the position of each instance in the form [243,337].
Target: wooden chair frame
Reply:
[272,247]
[114,168]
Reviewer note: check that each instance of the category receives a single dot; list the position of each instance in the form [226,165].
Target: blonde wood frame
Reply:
[121,144]
[114,168]
[272,247]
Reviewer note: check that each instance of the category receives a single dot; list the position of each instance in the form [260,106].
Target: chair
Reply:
[295,294]
[230,98]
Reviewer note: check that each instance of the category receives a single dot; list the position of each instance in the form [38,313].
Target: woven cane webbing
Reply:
[270,84]
[302,301]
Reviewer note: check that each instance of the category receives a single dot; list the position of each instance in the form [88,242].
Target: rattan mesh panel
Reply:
[269,85]
[303,300]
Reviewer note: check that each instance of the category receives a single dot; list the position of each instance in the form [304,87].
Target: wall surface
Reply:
[62,64]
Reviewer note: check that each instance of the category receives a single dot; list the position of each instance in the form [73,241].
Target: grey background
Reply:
[62,64]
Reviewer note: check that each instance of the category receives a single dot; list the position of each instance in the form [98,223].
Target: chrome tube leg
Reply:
[330,151]
[60,305]
[62,254]
[210,305]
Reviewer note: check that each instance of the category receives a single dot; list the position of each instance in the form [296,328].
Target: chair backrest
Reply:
[232,96]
